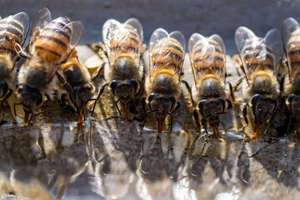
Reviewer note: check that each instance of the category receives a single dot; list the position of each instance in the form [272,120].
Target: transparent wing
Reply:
[289,26]
[219,41]
[179,37]
[77,30]
[200,49]
[273,42]
[135,23]
[242,34]
[23,18]
[157,36]
[44,17]
[108,27]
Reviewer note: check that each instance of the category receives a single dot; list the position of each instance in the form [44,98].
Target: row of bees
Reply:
[270,82]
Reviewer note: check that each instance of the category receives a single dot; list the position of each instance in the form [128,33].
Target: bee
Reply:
[124,74]
[77,82]
[13,32]
[208,62]
[291,32]
[167,53]
[51,44]
[259,58]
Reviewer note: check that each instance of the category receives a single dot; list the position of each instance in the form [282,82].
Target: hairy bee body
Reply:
[163,81]
[50,46]
[125,73]
[207,56]
[259,58]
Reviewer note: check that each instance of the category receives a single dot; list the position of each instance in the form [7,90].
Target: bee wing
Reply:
[289,26]
[242,34]
[179,37]
[77,30]
[199,42]
[44,17]
[108,28]
[274,43]
[157,36]
[23,18]
[219,41]
[136,24]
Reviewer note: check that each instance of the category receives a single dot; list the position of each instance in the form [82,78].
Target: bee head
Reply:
[293,103]
[3,89]
[213,107]
[263,108]
[82,94]
[30,97]
[161,104]
[125,89]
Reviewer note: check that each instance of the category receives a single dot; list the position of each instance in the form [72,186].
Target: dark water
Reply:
[189,16]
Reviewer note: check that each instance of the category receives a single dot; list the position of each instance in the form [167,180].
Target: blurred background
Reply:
[189,16]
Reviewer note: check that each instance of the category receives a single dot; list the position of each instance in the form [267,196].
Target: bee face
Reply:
[31,97]
[161,104]
[83,93]
[125,90]
[3,89]
[211,108]
[263,108]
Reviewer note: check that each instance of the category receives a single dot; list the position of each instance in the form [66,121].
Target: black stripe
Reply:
[13,30]
[18,25]
[57,41]
[66,35]
[49,50]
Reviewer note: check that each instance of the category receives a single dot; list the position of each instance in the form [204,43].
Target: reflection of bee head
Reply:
[163,82]
[50,45]
[207,55]
[259,57]
[123,42]
[292,45]
[13,33]
[78,77]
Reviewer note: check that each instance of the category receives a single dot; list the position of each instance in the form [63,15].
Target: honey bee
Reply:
[259,58]
[51,44]
[292,83]
[167,52]
[124,74]
[77,82]
[208,60]
[13,32]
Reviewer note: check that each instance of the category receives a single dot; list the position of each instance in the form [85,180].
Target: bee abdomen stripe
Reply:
[59,31]
[53,39]
[49,50]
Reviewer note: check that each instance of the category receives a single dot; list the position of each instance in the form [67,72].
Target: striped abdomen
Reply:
[293,50]
[257,56]
[53,41]
[168,54]
[210,63]
[124,41]
[11,29]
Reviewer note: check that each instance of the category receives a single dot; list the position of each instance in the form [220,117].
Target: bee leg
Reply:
[99,95]
[189,91]
[170,145]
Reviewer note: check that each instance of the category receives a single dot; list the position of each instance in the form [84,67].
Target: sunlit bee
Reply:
[167,52]
[51,44]
[78,83]
[13,32]
[125,73]
[292,45]
[208,60]
[259,58]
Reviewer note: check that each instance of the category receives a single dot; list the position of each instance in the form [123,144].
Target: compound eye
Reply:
[134,84]
[113,85]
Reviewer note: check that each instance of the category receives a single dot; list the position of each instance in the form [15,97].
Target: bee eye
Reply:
[113,85]
[134,84]
[151,97]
